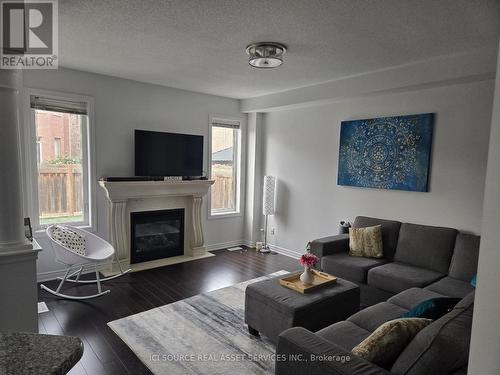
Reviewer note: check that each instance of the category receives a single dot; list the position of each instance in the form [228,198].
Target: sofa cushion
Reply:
[443,346]
[348,267]
[461,371]
[465,255]
[385,344]
[433,308]
[344,334]
[412,297]
[390,232]
[396,277]
[425,246]
[374,316]
[366,242]
[451,287]
[466,301]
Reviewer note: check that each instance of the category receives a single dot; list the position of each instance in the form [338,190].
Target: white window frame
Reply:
[214,118]
[30,177]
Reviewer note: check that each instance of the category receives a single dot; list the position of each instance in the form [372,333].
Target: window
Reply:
[225,166]
[57,147]
[62,181]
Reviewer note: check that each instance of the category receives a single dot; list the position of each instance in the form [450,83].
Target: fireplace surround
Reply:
[127,197]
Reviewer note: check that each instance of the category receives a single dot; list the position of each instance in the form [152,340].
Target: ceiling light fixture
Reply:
[265,54]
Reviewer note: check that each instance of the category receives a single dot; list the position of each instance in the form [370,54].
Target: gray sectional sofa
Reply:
[436,258]
[440,348]
[420,262]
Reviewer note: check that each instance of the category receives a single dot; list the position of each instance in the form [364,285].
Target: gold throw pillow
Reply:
[366,242]
[387,342]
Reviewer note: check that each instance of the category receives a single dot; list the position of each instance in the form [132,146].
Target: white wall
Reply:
[253,213]
[485,343]
[122,106]
[301,149]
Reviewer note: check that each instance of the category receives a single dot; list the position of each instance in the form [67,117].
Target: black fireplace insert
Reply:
[156,235]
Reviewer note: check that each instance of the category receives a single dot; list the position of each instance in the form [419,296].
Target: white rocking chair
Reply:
[98,252]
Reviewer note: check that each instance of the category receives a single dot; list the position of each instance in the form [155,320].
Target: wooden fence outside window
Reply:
[223,188]
[60,190]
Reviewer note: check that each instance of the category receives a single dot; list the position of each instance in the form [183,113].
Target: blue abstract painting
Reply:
[387,152]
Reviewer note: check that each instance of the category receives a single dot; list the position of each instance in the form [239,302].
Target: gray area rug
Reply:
[205,334]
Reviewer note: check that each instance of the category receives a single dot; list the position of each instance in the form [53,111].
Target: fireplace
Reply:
[127,197]
[156,235]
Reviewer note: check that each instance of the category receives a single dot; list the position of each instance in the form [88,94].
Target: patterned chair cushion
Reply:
[68,238]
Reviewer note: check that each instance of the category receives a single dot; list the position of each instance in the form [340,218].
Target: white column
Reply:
[11,216]
[197,241]
[485,341]
[18,290]
[117,216]
[117,227]
[253,212]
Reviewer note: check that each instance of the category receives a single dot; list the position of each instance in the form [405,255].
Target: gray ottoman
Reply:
[271,308]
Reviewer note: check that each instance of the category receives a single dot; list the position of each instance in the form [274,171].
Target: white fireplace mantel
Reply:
[131,196]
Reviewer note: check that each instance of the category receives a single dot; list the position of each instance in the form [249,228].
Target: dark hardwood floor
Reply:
[104,352]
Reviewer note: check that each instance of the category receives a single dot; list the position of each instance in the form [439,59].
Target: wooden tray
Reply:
[321,279]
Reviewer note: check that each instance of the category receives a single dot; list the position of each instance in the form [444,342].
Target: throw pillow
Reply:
[68,238]
[474,281]
[366,242]
[385,344]
[433,308]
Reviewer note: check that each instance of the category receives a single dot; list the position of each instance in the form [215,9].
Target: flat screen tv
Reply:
[168,154]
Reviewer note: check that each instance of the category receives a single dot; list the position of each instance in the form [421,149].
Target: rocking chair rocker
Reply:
[97,251]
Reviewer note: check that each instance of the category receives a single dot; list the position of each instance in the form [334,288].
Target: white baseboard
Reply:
[49,275]
[248,243]
[223,245]
[283,251]
[280,250]
[52,275]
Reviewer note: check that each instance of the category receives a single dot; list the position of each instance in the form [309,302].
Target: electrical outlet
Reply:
[273,231]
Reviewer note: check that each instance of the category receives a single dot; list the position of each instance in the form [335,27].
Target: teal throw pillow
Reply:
[473,281]
[433,308]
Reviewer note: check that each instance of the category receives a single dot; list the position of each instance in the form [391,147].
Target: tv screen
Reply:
[168,154]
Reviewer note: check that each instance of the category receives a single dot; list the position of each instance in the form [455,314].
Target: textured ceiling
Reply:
[200,45]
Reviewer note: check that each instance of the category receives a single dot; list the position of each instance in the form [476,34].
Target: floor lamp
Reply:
[268,205]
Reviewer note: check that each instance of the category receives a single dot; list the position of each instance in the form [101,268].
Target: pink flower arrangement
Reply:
[308,260]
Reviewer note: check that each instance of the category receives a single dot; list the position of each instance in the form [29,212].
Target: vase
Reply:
[307,276]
